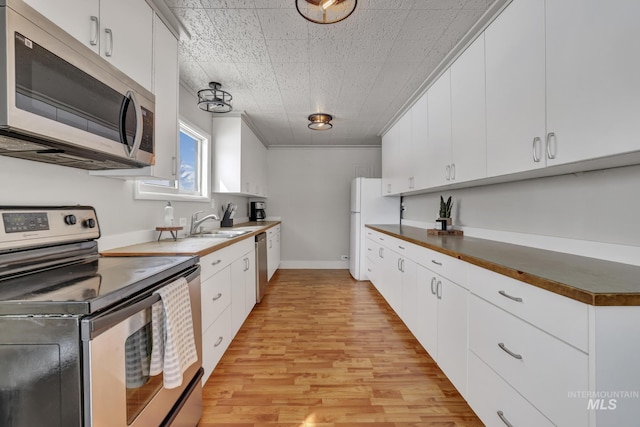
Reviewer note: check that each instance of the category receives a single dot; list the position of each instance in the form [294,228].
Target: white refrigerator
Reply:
[368,206]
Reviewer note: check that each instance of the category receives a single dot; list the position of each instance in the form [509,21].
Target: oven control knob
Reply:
[90,223]
[70,219]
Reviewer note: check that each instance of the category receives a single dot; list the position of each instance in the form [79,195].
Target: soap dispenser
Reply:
[168,215]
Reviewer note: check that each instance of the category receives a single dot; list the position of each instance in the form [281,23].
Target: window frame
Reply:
[146,191]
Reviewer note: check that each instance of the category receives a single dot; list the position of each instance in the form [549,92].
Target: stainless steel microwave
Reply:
[64,104]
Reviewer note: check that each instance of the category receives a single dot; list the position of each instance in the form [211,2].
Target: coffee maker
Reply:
[256,213]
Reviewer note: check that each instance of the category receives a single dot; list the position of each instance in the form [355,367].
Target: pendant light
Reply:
[320,121]
[214,100]
[325,11]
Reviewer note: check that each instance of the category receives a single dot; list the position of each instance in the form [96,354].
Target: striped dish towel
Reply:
[174,345]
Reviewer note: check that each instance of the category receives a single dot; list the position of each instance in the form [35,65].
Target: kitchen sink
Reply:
[224,234]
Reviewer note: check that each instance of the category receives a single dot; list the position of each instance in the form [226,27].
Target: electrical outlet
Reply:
[344,257]
[183,222]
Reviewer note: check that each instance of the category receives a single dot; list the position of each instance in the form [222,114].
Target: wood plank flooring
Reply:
[323,350]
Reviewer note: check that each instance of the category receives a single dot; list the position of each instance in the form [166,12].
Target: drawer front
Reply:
[218,260]
[373,250]
[560,316]
[489,395]
[407,250]
[215,341]
[541,367]
[216,296]
[446,266]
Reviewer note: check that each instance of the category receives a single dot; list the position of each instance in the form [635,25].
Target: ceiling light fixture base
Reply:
[320,121]
[325,11]
[214,99]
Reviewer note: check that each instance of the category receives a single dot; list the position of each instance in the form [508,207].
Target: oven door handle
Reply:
[92,327]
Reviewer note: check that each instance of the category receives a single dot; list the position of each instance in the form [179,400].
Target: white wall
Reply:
[123,220]
[598,206]
[309,189]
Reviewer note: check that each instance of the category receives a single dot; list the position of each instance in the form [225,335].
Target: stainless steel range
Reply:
[76,329]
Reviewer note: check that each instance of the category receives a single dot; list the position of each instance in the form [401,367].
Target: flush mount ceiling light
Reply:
[325,11]
[320,121]
[214,100]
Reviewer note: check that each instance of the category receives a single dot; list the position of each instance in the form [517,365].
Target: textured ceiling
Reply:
[280,68]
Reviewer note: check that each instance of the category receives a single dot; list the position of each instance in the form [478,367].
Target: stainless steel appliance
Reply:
[64,104]
[262,279]
[75,327]
[256,212]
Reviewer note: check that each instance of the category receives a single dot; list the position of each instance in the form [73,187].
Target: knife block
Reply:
[226,222]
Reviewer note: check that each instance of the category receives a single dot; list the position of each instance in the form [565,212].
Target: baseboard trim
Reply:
[313,265]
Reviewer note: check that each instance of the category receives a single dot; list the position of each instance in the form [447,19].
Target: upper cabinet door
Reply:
[593,84]
[80,18]
[419,143]
[469,114]
[439,135]
[127,37]
[515,80]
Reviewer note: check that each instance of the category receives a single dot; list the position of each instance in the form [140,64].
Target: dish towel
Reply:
[174,345]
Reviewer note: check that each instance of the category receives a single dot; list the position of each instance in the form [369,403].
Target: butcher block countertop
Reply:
[199,246]
[588,280]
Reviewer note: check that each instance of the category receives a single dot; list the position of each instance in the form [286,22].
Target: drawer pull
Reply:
[216,262]
[504,419]
[506,295]
[509,352]
[218,342]
[217,297]
[436,262]
[401,247]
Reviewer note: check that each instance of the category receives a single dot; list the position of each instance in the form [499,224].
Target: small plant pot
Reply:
[447,221]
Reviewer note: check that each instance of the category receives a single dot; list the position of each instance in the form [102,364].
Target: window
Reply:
[193,172]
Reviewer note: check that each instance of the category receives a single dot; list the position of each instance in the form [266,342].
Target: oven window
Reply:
[140,386]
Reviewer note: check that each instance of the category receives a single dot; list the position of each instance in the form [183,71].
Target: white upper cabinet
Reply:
[397,157]
[469,115]
[240,159]
[419,154]
[119,30]
[593,89]
[515,88]
[439,163]
[166,88]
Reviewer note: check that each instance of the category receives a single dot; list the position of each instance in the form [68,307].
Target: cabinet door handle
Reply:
[95,33]
[447,172]
[246,264]
[216,262]
[399,268]
[402,265]
[509,352]
[109,50]
[504,419]
[506,295]
[218,342]
[217,297]
[433,282]
[388,188]
[453,171]
[551,136]
[381,252]
[436,262]
[536,143]
[439,289]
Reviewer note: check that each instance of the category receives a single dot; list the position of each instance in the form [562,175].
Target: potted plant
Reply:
[445,210]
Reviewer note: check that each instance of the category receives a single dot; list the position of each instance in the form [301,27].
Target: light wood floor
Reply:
[323,350]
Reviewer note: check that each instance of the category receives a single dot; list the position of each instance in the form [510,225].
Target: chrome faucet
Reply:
[195,222]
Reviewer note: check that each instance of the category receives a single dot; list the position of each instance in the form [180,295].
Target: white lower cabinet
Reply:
[228,295]
[243,290]
[496,403]
[542,368]
[273,250]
